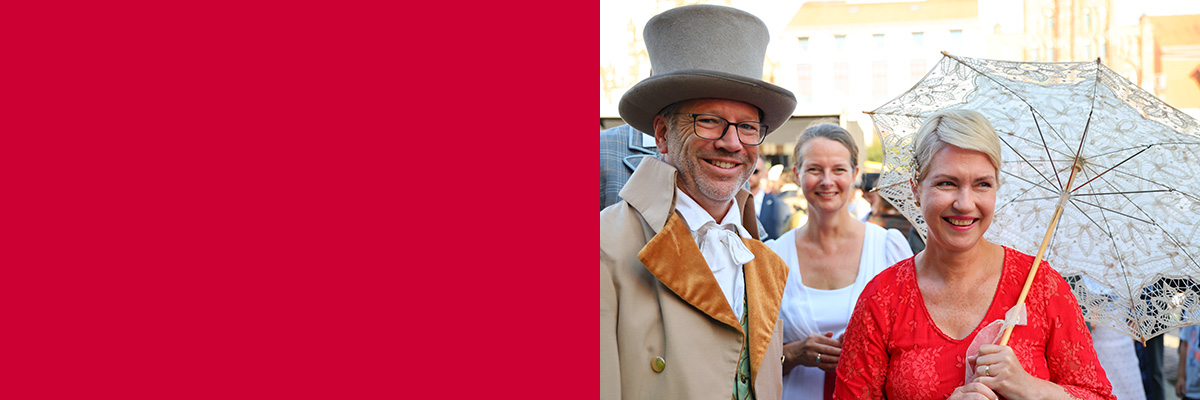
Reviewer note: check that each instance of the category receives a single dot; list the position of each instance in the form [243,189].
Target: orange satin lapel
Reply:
[673,257]
[766,276]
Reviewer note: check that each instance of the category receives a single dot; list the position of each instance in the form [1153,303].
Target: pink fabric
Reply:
[991,334]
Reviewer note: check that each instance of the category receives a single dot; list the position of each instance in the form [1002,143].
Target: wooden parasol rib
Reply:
[1037,261]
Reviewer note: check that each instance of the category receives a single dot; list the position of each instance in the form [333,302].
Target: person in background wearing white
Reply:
[1118,358]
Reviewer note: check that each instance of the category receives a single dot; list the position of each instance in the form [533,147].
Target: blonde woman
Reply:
[909,335]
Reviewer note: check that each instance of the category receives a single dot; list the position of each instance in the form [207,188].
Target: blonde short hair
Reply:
[964,129]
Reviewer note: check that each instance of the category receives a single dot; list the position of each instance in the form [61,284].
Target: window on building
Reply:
[918,39]
[804,82]
[841,78]
[916,70]
[1087,20]
[878,38]
[879,79]
[804,44]
[1053,54]
[1087,51]
[839,42]
[1037,55]
[956,36]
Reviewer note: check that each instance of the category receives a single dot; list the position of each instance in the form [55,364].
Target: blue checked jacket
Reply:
[621,150]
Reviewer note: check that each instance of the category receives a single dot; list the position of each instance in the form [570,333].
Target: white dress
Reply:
[1119,360]
[806,310]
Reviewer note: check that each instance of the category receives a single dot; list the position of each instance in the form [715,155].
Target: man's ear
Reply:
[660,133]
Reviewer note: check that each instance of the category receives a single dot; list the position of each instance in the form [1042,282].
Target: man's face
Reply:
[760,174]
[710,171]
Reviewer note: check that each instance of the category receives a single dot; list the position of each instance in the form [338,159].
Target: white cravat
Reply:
[721,245]
[723,239]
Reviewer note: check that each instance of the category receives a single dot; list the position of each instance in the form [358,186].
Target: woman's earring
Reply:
[918,203]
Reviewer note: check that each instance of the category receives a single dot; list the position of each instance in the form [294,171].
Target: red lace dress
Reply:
[893,349]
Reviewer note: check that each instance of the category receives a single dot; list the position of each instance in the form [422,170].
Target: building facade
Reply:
[842,58]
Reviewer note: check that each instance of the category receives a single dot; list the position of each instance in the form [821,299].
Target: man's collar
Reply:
[696,216]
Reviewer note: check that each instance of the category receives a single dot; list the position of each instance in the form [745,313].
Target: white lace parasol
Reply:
[1127,236]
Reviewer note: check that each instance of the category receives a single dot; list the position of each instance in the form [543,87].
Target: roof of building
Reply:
[1171,30]
[817,13]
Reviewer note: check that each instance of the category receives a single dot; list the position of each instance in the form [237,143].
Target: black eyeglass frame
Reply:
[761,138]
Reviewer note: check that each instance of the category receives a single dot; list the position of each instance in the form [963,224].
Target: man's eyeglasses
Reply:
[712,127]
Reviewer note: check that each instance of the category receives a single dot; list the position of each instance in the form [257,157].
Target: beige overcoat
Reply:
[658,298]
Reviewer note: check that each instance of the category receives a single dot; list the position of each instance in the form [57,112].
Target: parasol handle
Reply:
[1037,261]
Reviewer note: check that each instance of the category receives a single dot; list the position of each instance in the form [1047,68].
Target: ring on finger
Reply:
[987,370]
[818,358]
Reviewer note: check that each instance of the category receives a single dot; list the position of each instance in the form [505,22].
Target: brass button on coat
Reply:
[658,364]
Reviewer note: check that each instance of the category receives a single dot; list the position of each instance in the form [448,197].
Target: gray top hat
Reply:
[705,52]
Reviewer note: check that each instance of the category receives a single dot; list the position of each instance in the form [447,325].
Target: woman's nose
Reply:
[963,201]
